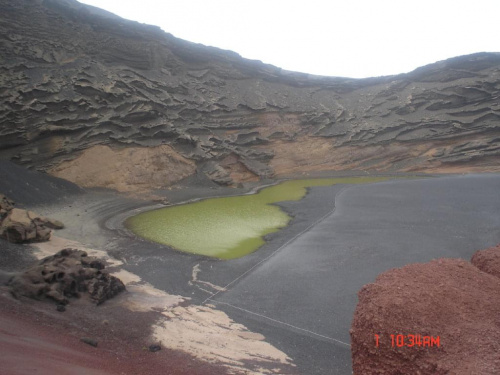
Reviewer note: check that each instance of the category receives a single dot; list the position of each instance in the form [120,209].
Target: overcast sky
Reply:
[349,38]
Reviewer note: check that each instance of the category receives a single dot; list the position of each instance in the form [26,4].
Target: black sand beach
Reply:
[299,290]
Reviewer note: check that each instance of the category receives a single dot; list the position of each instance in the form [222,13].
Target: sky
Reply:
[344,38]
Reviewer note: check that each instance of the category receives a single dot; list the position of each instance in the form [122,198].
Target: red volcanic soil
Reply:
[488,260]
[36,339]
[446,298]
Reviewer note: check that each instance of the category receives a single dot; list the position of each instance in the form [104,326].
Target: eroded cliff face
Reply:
[73,77]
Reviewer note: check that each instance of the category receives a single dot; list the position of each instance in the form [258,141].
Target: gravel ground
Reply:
[35,338]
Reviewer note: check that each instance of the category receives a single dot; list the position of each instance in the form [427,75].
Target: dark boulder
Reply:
[65,275]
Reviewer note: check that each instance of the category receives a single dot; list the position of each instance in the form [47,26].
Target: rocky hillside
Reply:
[83,92]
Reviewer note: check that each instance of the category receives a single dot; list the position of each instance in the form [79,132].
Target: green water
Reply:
[227,228]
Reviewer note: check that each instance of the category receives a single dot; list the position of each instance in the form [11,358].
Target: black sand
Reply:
[302,296]
[31,188]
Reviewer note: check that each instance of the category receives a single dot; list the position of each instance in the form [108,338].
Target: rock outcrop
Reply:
[74,78]
[449,306]
[66,275]
[18,225]
[23,226]
[126,170]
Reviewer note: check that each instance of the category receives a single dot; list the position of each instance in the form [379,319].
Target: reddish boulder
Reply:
[488,260]
[450,307]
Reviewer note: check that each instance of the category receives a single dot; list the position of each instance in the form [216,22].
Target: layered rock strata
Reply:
[75,79]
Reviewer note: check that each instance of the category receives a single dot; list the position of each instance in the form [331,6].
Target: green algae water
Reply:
[230,227]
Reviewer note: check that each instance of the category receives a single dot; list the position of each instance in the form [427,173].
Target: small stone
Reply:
[154,348]
[89,341]
[61,308]
[52,223]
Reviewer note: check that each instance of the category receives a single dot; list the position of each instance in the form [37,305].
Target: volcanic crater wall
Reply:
[73,77]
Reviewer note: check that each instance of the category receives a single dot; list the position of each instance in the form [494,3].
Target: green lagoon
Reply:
[230,227]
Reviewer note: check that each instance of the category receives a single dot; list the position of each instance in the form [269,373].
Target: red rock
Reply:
[488,260]
[453,301]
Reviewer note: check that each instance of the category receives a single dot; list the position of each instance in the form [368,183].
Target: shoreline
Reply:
[171,318]
[117,223]
[172,272]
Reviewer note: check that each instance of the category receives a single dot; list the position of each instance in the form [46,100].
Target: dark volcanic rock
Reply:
[73,77]
[104,287]
[89,341]
[66,275]
[154,348]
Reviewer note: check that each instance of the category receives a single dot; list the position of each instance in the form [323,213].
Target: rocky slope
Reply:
[449,299]
[76,82]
